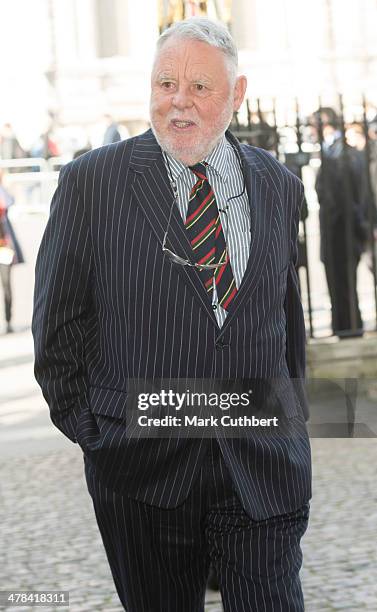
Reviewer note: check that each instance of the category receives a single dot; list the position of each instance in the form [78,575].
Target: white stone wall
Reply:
[287,48]
[307,46]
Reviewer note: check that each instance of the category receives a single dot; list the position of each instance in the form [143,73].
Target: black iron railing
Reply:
[346,191]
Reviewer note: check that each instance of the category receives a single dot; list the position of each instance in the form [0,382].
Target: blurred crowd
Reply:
[55,142]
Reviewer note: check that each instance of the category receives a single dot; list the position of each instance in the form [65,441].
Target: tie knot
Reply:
[200,170]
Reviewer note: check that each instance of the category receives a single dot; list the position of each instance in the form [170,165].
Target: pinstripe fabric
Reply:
[109,306]
[225,176]
[160,558]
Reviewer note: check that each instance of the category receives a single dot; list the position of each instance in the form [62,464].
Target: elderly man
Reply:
[171,255]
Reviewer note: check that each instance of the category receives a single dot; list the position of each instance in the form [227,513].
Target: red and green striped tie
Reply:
[206,236]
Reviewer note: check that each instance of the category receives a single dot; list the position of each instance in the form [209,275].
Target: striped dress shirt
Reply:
[225,175]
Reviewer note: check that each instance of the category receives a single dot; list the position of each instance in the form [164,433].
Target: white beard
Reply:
[201,149]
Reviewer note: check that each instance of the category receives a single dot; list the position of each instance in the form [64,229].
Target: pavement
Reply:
[50,538]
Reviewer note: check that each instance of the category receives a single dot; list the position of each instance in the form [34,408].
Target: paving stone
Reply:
[51,540]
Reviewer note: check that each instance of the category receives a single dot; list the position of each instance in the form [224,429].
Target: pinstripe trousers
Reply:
[159,558]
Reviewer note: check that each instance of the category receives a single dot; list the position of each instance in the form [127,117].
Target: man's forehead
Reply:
[171,66]
[176,44]
[194,54]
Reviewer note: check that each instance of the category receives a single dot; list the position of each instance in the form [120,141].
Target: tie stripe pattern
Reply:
[206,236]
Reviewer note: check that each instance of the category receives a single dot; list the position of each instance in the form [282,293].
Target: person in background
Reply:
[372,141]
[82,150]
[7,239]
[45,146]
[10,148]
[112,133]
[372,133]
[341,191]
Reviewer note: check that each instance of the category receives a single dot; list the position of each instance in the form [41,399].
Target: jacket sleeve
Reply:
[295,326]
[61,304]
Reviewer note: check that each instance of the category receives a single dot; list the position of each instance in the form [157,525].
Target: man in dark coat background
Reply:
[341,187]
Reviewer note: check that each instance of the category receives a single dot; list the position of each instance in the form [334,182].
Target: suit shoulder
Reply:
[273,170]
[98,159]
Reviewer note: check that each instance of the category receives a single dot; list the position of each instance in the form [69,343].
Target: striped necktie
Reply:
[206,237]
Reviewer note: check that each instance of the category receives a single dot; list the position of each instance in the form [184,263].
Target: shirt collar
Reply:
[219,160]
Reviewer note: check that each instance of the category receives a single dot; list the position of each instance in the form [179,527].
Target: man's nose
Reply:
[182,98]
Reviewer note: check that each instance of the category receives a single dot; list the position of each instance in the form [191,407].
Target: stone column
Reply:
[138,27]
[244,24]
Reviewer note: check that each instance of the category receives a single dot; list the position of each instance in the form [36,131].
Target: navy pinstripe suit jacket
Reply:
[108,307]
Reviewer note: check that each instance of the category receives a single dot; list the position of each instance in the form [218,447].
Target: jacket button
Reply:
[221,344]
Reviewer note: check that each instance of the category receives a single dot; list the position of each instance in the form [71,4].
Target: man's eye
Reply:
[166,84]
[199,87]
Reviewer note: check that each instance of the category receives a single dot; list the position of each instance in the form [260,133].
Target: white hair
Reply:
[213,33]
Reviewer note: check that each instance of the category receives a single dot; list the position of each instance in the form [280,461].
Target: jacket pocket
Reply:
[108,402]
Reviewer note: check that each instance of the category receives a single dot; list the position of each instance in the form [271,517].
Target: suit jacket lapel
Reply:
[155,196]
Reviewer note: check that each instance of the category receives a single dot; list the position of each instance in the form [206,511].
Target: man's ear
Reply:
[239,91]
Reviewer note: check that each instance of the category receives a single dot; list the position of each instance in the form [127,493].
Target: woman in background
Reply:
[8,240]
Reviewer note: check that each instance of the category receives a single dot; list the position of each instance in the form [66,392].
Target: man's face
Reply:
[193,97]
